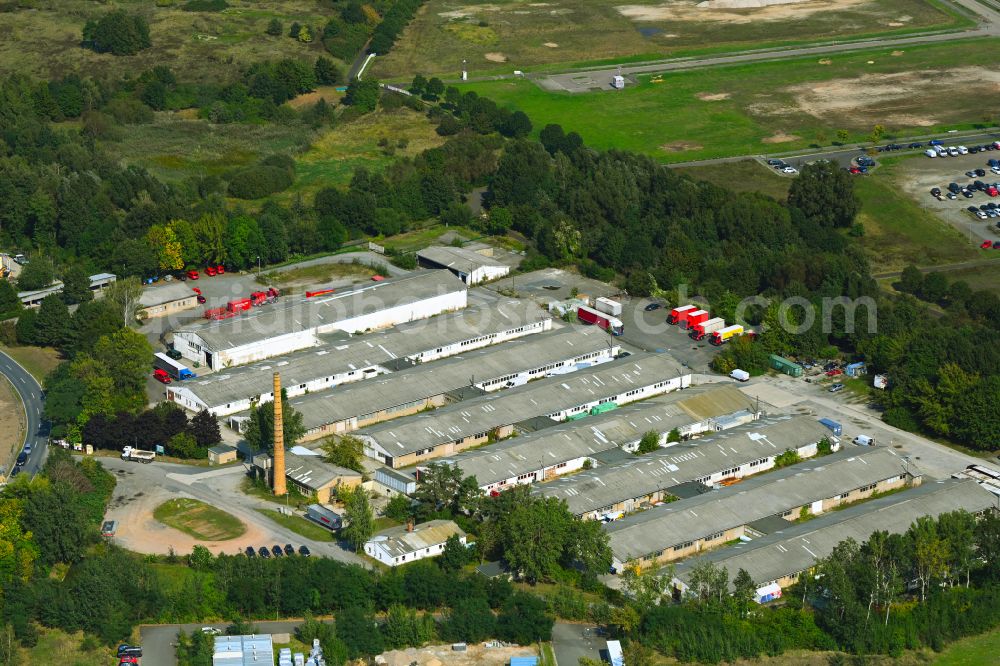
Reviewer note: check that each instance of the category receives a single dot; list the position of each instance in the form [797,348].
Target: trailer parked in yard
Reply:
[608,306]
[834,427]
[610,324]
[695,318]
[699,331]
[724,335]
[677,314]
[176,370]
[138,455]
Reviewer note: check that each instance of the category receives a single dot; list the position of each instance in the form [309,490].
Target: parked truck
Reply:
[677,314]
[608,306]
[695,318]
[168,365]
[724,335]
[612,325]
[834,427]
[699,331]
[239,305]
[138,455]
[262,297]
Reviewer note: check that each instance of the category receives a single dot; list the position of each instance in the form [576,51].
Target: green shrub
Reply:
[205,5]
[258,181]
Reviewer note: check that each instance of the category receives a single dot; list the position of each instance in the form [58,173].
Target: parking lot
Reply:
[922,175]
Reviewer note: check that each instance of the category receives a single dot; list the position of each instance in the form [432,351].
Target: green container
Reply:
[782,364]
[605,407]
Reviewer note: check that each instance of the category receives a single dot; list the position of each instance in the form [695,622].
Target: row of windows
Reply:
[762,461]
[482,338]
[865,489]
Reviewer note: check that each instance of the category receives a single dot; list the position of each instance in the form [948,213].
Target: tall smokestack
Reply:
[279,440]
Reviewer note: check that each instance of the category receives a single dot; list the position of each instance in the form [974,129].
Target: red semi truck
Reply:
[612,325]
[677,315]
[694,318]
[261,297]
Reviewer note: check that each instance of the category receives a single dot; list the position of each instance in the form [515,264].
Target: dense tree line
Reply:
[118,33]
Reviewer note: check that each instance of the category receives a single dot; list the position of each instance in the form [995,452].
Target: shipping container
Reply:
[834,427]
[608,306]
[785,366]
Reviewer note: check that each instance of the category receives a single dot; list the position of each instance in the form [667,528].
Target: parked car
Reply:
[652,306]
[789,170]
[211,631]
[174,354]
[289,549]
[996,245]
[250,552]
[304,551]
[935,191]
[985,245]
[210,271]
[201,299]
[192,275]
[836,388]
[952,196]
[220,269]
[916,144]
[834,373]
[264,552]
[980,172]
[161,376]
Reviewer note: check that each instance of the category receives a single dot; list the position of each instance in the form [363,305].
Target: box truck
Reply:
[677,314]
[168,365]
[608,306]
[699,331]
[724,335]
[695,318]
[610,324]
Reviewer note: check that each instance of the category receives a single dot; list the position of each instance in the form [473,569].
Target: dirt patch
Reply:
[733,11]
[437,655]
[899,95]
[496,57]
[680,146]
[897,53]
[781,137]
[11,426]
[825,61]
[328,93]
[550,45]
[712,97]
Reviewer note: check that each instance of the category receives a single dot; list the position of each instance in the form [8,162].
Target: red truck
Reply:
[161,376]
[321,292]
[261,297]
[677,315]
[694,318]
[239,305]
[612,325]
[699,331]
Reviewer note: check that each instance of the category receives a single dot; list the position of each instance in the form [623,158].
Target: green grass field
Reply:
[745,176]
[980,277]
[44,40]
[974,651]
[517,34]
[299,525]
[771,107]
[199,520]
[39,361]
[898,231]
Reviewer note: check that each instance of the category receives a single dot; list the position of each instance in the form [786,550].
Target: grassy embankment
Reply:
[199,520]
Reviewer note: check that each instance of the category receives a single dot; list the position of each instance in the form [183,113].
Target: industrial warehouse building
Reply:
[470,375]
[32,299]
[234,389]
[679,529]
[476,421]
[777,560]
[408,543]
[563,448]
[166,300]
[471,266]
[294,323]
[607,492]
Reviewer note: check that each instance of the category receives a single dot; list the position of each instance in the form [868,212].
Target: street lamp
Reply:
[258,267]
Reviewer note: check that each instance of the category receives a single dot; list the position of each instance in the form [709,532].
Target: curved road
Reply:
[37,433]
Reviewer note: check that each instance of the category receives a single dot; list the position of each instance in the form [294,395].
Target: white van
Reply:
[930,153]
[864,440]
[740,375]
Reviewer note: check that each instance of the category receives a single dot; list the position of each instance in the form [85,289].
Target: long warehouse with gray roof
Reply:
[295,323]
[655,477]
[563,448]
[671,531]
[468,375]
[232,390]
[777,560]
[451,429]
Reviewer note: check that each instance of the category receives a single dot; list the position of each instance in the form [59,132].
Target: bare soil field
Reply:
[504,35]
[440,655]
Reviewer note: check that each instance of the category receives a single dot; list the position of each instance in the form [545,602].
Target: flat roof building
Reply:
[232,390]
[780,557]
[679,529]
[255,650]
[295,323]
[563,448]
[451,429]
[606,492]
[470,266]
[408,543]
[166,300]
[470,374]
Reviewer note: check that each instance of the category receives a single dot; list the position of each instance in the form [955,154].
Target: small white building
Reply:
[409,543]
[618,82]
[471,266]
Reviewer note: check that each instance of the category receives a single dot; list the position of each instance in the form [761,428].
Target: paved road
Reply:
[586,79]
[37,433]
[572,641]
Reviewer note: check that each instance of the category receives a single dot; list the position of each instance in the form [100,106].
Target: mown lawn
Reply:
[38,361]
[199,520]
[763,108]
[745,176]
[973,651]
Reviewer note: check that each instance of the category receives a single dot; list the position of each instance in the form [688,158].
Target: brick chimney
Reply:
[409,524]
[279,440]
